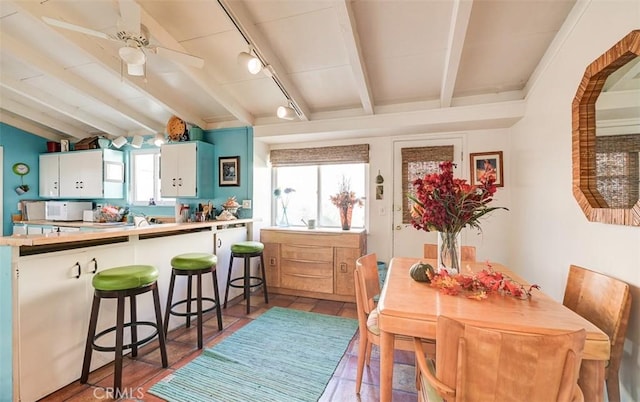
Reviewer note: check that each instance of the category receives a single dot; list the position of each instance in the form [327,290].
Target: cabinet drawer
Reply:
[306,253]
[311,276]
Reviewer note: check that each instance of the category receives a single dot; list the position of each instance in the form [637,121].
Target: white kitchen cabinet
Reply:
[54,299]
[187,169]
[224,238]
[96,173]
[49,175]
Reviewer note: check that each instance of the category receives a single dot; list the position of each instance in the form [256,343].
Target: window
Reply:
[313,185]
[145,178]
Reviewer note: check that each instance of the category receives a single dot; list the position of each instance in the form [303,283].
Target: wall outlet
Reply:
[246,204]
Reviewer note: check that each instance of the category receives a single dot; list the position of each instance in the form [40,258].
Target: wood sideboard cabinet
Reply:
[316,263]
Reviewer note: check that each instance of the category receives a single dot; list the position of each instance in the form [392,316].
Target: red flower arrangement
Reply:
[478,286]
[446,204]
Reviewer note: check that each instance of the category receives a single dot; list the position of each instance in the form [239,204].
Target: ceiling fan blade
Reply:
[77,28]
[179,57]
[129,16]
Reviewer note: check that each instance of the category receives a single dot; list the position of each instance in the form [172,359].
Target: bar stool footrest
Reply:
[259,282]
[127,346]
[204,310]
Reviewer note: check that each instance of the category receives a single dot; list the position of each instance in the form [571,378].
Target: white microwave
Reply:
[65,210]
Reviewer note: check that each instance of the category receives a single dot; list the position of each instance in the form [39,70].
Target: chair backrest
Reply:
[489,365]
[605,302]
[467,253]
[367,281]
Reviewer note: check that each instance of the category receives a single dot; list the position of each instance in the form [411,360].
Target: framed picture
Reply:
[487,162]
[229,170]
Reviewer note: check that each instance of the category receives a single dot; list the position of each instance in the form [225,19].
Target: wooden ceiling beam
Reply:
[460,17]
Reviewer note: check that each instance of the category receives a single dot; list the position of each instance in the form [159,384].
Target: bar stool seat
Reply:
[246,250]
[120,283]
[190,264]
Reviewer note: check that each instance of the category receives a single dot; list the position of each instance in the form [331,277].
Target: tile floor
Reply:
[141,373]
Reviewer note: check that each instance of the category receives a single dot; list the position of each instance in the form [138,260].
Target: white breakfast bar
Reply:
[46,292]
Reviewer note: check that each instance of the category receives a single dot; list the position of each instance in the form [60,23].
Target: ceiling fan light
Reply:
[135,70]
[285,113]
[132,55]
[119,142]
[252,63]
[159,139]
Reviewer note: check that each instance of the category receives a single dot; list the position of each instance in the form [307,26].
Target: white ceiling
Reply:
[348,65]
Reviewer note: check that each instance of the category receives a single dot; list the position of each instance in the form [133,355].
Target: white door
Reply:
[187,170]
[408,241]
[224,238]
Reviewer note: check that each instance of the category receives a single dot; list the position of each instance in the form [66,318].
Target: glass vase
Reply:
[284,220]
[449,257]
[345,217]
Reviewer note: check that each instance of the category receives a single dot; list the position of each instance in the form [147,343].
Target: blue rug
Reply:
[283,355]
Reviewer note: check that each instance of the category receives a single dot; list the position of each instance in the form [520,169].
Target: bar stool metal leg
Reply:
[172,283]
[117,377]
[161,338]
[91,333]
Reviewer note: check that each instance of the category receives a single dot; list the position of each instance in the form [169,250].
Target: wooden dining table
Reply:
[411,308]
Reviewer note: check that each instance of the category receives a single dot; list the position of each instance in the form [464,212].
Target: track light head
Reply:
[158,140]
[286,113]
[137,141]
[252,63]
[119,142]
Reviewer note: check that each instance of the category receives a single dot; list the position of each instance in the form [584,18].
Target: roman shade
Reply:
[358,153]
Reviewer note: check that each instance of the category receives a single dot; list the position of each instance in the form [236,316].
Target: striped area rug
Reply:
[283,355]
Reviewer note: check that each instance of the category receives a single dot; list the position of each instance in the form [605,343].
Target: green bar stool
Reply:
[188,265]
[246,250]
[120,283]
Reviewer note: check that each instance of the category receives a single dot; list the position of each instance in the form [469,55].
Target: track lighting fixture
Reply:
[119,142]
[253,63]
[286,113]
[159,139]
[137,141]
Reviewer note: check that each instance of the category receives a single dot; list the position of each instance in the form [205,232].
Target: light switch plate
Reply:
[246,204]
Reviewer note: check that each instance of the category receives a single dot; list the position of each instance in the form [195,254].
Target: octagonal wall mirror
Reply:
[606,136]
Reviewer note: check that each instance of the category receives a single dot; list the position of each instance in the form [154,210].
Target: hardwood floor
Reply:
[141,373]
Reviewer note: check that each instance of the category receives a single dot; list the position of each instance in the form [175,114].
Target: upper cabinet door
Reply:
[81,175]
[184,168]
[49,176]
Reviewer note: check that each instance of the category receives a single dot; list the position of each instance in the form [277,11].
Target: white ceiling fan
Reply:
[135,37]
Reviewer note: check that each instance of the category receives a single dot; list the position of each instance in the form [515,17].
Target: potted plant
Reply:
[345,199]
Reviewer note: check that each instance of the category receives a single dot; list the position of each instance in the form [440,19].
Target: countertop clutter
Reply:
[110,232]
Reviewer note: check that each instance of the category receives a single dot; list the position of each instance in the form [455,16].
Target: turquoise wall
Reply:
[21,146]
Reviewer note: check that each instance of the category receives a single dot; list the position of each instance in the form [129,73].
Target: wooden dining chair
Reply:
[367,286]
[605,302]
[468,253]
[480,364]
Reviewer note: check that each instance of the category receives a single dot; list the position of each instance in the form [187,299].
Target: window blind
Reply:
[358,153]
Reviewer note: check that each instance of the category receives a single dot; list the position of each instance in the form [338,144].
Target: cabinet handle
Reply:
[55,185]
[219,243]
[343,267]
[77,185]
[95,265]
[173,182]
[77,264]
[81,184]
[272,261]
[180,181]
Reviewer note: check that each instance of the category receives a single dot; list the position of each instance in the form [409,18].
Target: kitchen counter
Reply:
[106,232]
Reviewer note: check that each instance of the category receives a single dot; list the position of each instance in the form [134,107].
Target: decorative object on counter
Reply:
[445,204]
[311,223]
[229,171]
[345,199]
[111,213]
[421,272]
[479,285]
[284,196]
[21,169]
[231,205]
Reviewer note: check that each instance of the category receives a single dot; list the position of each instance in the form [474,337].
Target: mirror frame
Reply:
[584,134]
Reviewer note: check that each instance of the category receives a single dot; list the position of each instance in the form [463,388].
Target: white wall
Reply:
[495,231]
[549,230]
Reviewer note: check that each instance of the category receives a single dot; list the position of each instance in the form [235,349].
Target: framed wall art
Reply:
[229,170]
[486,162]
